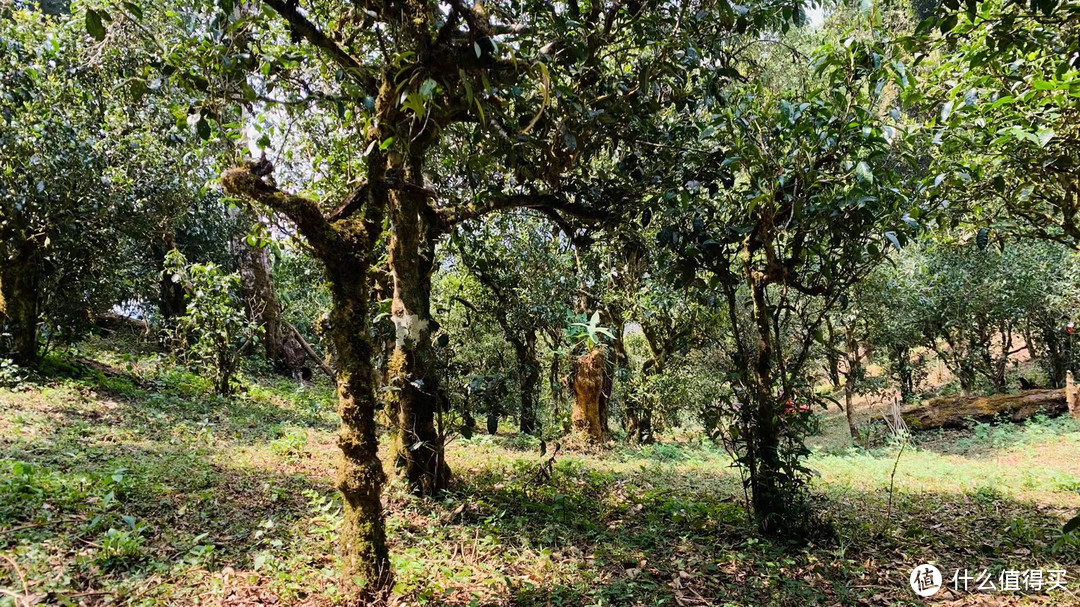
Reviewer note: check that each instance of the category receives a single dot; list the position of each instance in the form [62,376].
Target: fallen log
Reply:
[111,322]
[960,411]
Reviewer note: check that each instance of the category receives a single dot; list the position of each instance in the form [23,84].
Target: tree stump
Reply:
[589,414]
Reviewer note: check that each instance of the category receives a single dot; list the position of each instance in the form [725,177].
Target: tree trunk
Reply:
[831,358]
[360,475]
[172,296]
[280,345]
[345,249]
[900,356]
[20,278]
[1072,395]
[529,371]
[639,426]
[556,387]
[418,448]
[1054,358]
[854,365]
[590,379]
[763,446]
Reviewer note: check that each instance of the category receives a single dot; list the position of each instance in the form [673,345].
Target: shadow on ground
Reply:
[113,495]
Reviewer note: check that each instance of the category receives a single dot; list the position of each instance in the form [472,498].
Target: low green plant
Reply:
[215,330]
[123,545]
[11,375]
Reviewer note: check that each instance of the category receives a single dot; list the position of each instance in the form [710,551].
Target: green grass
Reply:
[124,482]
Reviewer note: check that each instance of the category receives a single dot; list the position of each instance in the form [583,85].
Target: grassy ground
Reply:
[122,482]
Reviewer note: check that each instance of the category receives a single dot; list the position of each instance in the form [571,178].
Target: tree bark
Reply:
[590,382]
[418,447]
[20,278]
[639,426]
[1072,395]
[764,445]
[900,359]
[854,372]
[345,248]
[832,360]
[172,296]
[360,476]
[1054,358]
[529,372]
[280,345]
[959,411]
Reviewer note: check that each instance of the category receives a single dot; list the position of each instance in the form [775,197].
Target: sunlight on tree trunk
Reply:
[589,415]
[360,476]
[418,447]
[344,244]
[764,447]
[854,368]
[1072,395]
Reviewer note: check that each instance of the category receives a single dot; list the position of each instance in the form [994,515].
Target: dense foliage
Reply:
[617,220]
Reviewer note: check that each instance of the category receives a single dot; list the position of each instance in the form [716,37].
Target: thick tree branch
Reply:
[578,240]
[247,182]
[352,203]
[554,202]
[307,30]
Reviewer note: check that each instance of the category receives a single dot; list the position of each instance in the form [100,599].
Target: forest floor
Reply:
[123,483]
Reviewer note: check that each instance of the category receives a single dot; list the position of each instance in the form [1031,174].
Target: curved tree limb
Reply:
[307,30]
[247,182]
[540,202]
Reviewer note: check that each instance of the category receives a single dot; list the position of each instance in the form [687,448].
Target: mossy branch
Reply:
[247,182]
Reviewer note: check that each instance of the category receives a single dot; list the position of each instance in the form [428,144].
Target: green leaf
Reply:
[1044,136]
[893,240]
[428,88]
[202,127]
[946,110]
[134,9]
[947,24]
[94,26]
[863,173]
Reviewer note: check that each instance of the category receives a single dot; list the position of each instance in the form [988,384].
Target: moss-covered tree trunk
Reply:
[640,407]
[418,447]
[345,244]
[360,476]
[639,426]
[20,277]
[640,404]
[589,413]
[172,296]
